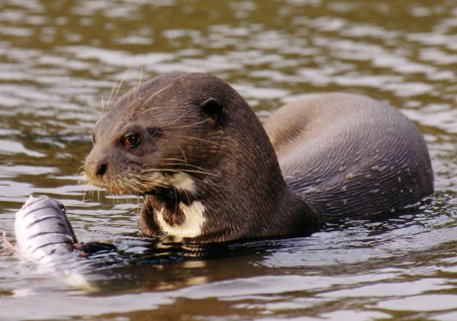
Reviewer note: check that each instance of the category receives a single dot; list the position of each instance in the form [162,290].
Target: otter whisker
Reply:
[140,77]
[132,184]
[201,140]
[81,170]
[103,105]
[172,170]
[84,195]
[201,180]
[172,81]
[110,96]
[121,83]
[167,126]
[171,158]
[146,109]
[145,182]
[183,153]
[155,94]
[186,170]
[83,181]
[175,193]
[171,161]
[186,194]
[115,89]
[186,167]
[170,124]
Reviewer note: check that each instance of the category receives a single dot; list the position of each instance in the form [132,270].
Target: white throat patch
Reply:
[194,220]
[182,182]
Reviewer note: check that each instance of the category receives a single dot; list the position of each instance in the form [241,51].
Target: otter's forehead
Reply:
[169,100]
[101,131]
[115,122]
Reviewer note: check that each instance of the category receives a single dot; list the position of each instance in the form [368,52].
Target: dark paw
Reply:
[90,248]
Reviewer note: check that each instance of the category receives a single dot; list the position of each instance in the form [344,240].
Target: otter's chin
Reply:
[116,187]
[116,190]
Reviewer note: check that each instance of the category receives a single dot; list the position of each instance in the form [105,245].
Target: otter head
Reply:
[191,145]
[157,137]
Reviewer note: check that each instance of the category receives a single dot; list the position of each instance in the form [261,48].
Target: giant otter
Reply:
[210,172]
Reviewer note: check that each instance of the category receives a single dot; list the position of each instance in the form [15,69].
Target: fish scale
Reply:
[42,230]
[45,237]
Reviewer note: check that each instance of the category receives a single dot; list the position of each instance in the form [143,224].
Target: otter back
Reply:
[349,155]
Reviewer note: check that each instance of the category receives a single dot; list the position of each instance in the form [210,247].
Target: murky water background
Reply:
[59,58]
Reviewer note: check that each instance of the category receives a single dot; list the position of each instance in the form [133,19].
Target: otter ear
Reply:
[214,108]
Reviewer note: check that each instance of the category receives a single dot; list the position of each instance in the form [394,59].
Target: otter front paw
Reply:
[90,248]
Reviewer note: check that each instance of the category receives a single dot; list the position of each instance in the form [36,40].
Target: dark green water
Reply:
[58,59]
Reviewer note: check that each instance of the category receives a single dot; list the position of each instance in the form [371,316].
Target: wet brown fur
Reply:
[198,125]
[349,155]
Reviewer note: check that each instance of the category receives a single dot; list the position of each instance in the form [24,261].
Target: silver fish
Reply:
[45,237]
[43,231]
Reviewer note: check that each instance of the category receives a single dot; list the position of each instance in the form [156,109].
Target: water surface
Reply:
[59,60]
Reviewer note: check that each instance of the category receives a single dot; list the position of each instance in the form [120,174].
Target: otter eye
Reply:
[131,140]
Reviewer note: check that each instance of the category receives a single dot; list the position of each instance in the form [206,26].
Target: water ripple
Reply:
[57,62]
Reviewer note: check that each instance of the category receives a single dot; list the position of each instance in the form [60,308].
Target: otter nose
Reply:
[101,169]
[96,166]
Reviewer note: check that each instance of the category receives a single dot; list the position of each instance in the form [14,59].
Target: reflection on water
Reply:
[59,60]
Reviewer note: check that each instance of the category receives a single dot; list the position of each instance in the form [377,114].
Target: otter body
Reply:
[209,170]
[349,155]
